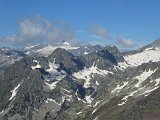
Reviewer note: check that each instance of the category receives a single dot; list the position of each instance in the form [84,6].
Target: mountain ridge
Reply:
[103,84]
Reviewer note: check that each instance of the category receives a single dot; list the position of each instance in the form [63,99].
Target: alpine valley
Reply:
[45,82]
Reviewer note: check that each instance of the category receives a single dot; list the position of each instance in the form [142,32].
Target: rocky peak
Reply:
[60,53]
[104,59]
[67,61]
[93,86]
[115,52]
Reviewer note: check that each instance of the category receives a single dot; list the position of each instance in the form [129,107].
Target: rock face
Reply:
[102,84]
[66,60]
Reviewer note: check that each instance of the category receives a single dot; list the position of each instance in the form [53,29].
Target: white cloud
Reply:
[100,31]
[39,30]
[125,42]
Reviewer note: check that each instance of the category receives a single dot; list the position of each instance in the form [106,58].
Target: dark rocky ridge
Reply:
[70,99]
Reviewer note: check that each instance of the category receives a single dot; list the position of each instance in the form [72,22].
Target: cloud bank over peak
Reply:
[125,42]
[35,30]
[38,30]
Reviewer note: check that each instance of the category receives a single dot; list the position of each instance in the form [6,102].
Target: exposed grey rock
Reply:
[44,88]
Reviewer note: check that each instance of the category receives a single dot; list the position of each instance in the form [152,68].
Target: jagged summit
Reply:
[115,51]
[67,61]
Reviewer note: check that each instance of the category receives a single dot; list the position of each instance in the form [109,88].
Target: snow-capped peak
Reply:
[30,47]
[48,49]
[66,43]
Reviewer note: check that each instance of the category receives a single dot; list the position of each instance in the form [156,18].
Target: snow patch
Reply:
[97,83]
[88,99]
[1,112]
[96,103]
[122,65]
[37,66]
[149,91]
[68,96]
[14,92]
[52,85]
[86,74]
[58,77]
[36,109]
[52,67]
[79,113]
[119,87]
[53,110]
[94,111]
[157,82]
[143,77]
[85,53]
[96,118]
[149,48]
[126,98]
[51,100]
[120,104]
[54,75]
[77,95]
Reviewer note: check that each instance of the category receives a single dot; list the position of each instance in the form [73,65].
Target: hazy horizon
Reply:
[126,24]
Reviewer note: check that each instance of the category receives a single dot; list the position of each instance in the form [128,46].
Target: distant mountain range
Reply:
[45,50]
[46,82]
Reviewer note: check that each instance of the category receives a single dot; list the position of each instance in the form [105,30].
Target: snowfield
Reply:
[143,77]
[149,54]
[48,49]
[143,57]
[54,75]
[87,72]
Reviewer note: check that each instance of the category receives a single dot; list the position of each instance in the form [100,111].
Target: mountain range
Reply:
[46,82]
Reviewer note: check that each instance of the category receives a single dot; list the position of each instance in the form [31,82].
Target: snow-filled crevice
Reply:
[86,73]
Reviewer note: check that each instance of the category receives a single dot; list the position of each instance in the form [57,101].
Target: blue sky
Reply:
[125,23]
